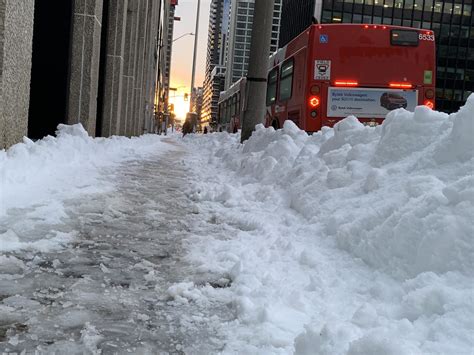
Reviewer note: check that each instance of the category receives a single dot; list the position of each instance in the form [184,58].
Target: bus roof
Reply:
[235,87]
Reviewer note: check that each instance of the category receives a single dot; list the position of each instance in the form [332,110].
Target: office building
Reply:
[65,63]
[196,101]
[240,35]
[215,60]
[169,10]
[452,22]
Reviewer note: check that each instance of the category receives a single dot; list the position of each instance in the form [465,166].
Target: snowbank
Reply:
[40,175]
[399,197]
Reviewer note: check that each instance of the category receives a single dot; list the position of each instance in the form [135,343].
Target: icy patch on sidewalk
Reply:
[355,240]
[37,176]
[55,240]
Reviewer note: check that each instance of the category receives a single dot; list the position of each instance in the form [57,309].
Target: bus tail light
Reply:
[346,83]
[429,94]
[314,101]
[315,89]
[429,103]
[400,85]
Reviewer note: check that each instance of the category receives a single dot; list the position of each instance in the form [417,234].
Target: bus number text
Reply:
[425,37]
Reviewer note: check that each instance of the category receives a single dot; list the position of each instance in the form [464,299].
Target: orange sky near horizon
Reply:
[182,53]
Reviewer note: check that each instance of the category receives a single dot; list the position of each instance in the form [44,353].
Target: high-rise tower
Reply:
[240,34]
[216,44]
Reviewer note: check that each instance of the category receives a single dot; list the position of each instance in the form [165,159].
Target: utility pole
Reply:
[196,35]
[258,65]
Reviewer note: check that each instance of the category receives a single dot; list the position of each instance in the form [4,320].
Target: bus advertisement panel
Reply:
[370,103]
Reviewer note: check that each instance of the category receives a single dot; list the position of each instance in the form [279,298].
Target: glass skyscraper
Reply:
[452,22]
[240,36]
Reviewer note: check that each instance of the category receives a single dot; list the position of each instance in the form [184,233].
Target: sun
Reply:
[181,107]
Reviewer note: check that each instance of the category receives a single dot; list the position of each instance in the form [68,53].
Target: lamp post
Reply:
[183,35]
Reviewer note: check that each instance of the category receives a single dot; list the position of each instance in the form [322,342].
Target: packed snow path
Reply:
[108,289]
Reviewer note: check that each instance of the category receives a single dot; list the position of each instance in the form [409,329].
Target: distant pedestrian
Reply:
[205,130]
[187,127]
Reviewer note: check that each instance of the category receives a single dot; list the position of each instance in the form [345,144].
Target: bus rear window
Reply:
[404,38]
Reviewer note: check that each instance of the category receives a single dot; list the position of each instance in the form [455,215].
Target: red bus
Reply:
[231,107]
[331,71]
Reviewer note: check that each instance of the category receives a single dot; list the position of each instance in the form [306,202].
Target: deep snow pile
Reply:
[42,174]
[308,209]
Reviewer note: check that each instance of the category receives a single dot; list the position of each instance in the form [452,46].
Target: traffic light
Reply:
[186,97]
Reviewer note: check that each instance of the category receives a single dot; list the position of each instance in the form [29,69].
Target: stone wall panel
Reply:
[17,37]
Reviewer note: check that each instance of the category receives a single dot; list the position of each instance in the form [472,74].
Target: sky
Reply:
[182,55]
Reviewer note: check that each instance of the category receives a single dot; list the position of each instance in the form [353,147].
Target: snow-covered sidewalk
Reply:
[92,261]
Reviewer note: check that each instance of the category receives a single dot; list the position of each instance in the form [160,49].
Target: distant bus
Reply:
[231,105]
[331,71]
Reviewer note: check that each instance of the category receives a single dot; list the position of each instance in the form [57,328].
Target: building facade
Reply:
[240,35]
[169,10]
[96,65]
[215,60]
[196,102]
[452,21]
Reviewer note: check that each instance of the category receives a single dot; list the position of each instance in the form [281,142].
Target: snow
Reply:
[354,240]
[42,174]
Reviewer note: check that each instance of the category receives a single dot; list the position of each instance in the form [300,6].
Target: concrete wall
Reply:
[84,70]
[128,79]
[112,103]
[16,35]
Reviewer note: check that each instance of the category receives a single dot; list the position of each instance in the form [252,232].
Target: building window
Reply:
[398,4]
[326,16]
[467,10]
[286,80]
[428,5]
[438,7]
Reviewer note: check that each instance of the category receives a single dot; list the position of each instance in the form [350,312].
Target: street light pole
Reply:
[194,56]
[186,34]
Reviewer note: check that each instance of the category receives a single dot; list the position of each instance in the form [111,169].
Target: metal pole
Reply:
[258,65]
[186,34]
[196,35]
